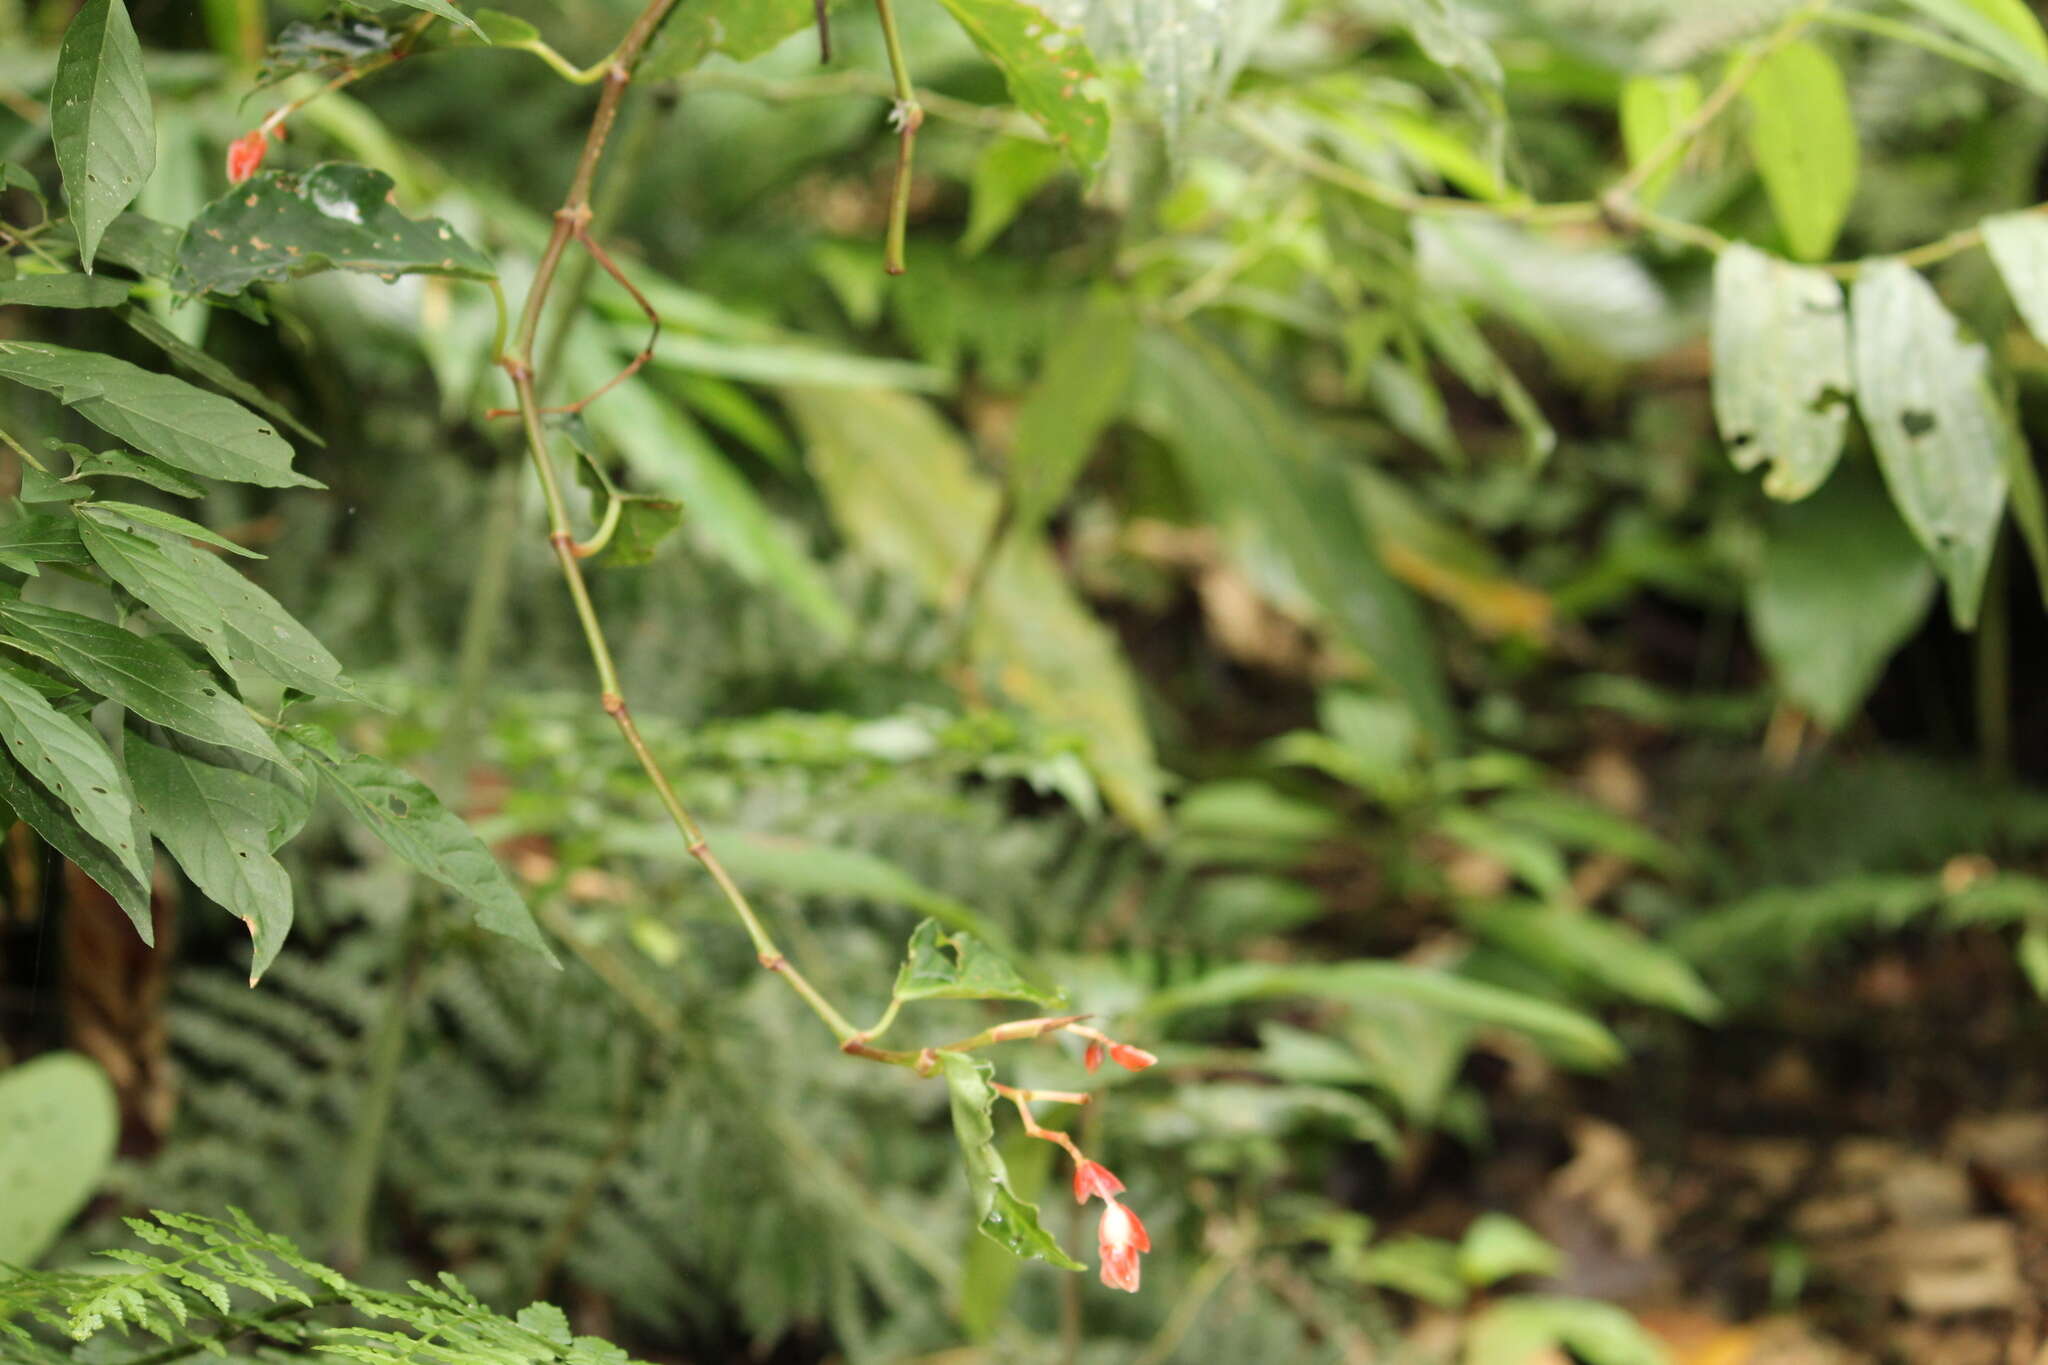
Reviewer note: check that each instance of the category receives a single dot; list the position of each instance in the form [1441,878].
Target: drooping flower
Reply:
[1092,1058]
[1131,1058]
[1122,1239]
[1093,1178]
[245,154]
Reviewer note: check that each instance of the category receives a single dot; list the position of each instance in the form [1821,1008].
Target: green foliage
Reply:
[101,122]
[57,1131]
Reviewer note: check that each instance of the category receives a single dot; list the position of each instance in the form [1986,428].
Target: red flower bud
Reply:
[245,154]
[1092,1178]
[1122,1238]
[1131,1058]
[1092,1058]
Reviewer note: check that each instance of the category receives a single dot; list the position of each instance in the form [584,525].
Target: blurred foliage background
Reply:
[1331,638]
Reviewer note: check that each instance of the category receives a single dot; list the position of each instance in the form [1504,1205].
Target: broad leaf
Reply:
[64,291]
[192,360]
[942,966]
[1942,437]
[1803,136]
[60,830]
[58,1124]
[217,823]
[64,754]
[160,520]
[146,675]
[1082,387]
[1781,369]
[1003,1214]
[400,810]
[1843,584]
[122,464]
[280,225]
[1582,948]
[643,521]
[1049,70]
[1528,1327]
[1652,108]
[186,427]
[739,29]
[37,537]
[141,243]
[445,11]
[100,119]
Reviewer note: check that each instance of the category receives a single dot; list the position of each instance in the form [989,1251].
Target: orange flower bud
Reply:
[1122,1238]
[1092,1058]
[1131,1058]
[1093,1178]
[245,154]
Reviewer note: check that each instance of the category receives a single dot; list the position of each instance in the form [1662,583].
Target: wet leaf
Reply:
[1004,1216]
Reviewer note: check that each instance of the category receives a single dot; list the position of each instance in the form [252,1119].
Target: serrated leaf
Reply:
[60,830]
[1781,369]
[1803,137]
[1048,68]
[58,1125]
[122,464]
[64,291]
[1842,585]
[217,822]
[1652,108]
[186,427]
[400,810]
[1003,1215]
[148,676]
[280,225]
[445,11]
[942,966]
[1942,437]
[68,758]
[192,360]
[239,624]
[37,537]
[100,119]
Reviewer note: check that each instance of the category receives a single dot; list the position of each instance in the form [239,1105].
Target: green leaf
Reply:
[740,29]
[236,622]
[141,243]
[643,521]
[100,119]
[280,225]
[1049,70]
[2018,244]
[1082,387]
[1574,1036]
[1580,947]
[64,291]
[1942,437]
[1003,1214]
[1781,369]
[64,754]
[400,810]
[58,1124]
[164,521]
[1525,1327]
[61,831]
[942,966]
[1652,108]
[1497,1247]
[1009,171]
[2032,953]
[903,488]
[217,823]
[2005,30]
[122,464]
[186,427]
[192,360]
[146,675]
[445,11]
[36,537]
[1842,585]
[1803,137]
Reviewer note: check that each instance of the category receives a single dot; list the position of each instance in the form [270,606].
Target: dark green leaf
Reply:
[61,831]
[192,360]
[64,291]
[1803,136]
[1009,171]
[100,119]
[186,427]
[1781,369]
[1003,1215]
[68,758]
[400,810]
[1048,68]
[280,225]
[165,521]
[942,966]
[142,244]
[37,537]
[339,40]
[1582,948]
[217,822]
[122,464]
[1942,437]
[148,676]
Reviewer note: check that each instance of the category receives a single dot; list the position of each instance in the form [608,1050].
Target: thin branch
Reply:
[907,117]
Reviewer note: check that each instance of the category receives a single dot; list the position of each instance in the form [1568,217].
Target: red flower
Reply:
[1131,1058]
[1092,1058]
[1092,1178]
[1122,1239]
[245,154]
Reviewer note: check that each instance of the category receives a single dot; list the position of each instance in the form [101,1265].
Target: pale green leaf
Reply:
[1526,1327]
[64,754]
[2005,30]
[100,119]
[58,1124]
[1803,137]
[1049,70]
[1781,369]
[1652,108]
[64,291]
[163,521]
[1582,948]
[58,828]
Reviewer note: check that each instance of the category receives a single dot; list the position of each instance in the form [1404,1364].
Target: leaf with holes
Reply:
[186,427]
[280,225]
[400,810]
[217,822]
[65,291]
[1943,438]
[1004,1215]
[1781,369]
[100,119]
[1048,68]
[942,966]
[1803,136]
[146,675]
[236,622]
[64,754]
